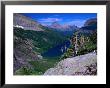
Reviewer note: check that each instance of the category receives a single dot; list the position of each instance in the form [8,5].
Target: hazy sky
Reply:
[77,19]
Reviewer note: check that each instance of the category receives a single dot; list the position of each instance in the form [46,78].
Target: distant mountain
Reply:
[65,27]
[91,21]
[89,27]
[56,25]
[25,22]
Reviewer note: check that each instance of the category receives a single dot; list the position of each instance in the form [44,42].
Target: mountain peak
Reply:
[64,27]
[91,21]
[56,25]
[20,20]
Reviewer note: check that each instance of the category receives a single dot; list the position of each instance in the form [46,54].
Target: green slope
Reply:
[42,40]
[28,44]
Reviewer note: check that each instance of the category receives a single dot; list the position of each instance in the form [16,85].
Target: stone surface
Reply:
[26,23]
[79,65]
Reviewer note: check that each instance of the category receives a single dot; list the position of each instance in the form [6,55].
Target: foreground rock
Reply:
[79,65]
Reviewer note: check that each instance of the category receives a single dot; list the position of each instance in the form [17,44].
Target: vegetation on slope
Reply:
[89,45]
[42,40]
[29,44]
[38,67]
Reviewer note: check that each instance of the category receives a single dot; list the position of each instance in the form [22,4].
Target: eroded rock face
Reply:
[23,53]
[26,23]
[80,65]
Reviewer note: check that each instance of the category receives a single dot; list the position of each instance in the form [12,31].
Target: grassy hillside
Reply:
[38,67]
[42,40]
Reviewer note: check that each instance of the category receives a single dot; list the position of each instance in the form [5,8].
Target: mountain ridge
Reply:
[26,23]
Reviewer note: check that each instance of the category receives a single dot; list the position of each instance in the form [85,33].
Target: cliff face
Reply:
[23,47]
[79,65]
[26,23]
[23,53]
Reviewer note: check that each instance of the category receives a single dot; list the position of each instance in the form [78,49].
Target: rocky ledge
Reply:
[79,65]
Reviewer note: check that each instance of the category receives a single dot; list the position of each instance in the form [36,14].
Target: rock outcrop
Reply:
[79,65]
[23,52]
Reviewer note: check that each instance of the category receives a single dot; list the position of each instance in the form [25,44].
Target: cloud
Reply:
[77,22]
[50,20]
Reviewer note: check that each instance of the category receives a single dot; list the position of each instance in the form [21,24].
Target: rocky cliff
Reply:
[23,52]
[25,22]
[79,65]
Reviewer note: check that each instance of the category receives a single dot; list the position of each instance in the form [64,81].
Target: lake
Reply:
[57,50]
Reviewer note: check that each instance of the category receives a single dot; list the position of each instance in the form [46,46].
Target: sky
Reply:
[77,19]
